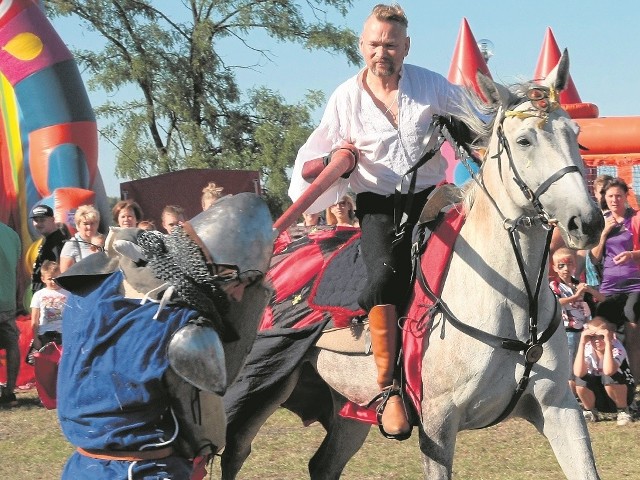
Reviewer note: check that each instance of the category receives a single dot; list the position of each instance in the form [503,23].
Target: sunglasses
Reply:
[596,337]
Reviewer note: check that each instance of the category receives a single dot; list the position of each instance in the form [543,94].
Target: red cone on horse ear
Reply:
[549,58]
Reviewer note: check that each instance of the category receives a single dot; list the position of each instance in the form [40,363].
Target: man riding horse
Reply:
[385,111]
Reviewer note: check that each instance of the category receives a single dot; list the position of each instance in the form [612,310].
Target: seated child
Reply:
[601,363]
[47,305]
[576,299]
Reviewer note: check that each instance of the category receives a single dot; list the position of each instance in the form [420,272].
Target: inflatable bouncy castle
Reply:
[48,133]
[611,144]
[48,138]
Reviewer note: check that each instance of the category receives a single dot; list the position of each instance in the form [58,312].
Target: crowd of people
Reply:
[599,292]
[59,251]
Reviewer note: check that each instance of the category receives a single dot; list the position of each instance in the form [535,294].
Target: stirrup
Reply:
[385,395]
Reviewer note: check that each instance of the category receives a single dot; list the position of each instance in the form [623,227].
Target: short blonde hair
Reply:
[49,266]
[211,192]
[88,213]
[390,13]
[563,252]
[331,218]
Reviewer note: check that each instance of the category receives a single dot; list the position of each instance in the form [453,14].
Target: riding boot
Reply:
[384,336]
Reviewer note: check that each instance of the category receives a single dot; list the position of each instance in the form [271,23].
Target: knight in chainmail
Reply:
[150,328]
[179,261]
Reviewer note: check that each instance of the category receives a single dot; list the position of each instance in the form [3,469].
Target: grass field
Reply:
[32,446]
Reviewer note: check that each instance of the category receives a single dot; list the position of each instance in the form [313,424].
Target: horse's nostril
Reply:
[573,224]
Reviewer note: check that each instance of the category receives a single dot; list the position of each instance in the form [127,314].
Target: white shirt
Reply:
[76,248]
[51,304]
[386,154]
[595,365]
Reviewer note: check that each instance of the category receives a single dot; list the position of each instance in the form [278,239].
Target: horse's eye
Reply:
[523,142]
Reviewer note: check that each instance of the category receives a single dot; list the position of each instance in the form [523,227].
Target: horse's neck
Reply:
[485,237]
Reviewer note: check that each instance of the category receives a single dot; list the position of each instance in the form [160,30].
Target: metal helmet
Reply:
[236,230]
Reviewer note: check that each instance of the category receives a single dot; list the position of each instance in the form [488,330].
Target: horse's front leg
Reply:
[564,427]
[438,441]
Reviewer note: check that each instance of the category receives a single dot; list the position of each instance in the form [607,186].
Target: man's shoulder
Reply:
[418,71]
[57,236]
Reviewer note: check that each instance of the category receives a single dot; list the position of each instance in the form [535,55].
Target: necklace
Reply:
[390,106]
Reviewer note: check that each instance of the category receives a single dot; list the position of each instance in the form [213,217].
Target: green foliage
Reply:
[191,112]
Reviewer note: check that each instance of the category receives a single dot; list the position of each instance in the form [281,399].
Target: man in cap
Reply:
[153,331]
[54,238]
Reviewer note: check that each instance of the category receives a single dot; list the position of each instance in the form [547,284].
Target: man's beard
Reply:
[383,69]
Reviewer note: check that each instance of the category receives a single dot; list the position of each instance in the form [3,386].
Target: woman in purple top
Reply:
[619,254]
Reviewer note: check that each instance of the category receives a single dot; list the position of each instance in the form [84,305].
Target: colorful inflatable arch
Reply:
[48,132]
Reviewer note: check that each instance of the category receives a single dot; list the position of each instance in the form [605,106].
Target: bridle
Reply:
[543,100]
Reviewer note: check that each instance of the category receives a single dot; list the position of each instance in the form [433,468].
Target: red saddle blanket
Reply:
[316,280]
[434,262]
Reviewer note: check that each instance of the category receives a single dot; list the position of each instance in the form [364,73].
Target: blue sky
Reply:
[603,39]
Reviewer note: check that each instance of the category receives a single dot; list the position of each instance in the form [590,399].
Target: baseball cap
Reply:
[41,211]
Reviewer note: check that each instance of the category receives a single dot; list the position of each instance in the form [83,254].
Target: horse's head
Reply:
[534,157]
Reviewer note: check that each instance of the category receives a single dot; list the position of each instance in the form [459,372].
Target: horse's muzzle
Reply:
[584,230]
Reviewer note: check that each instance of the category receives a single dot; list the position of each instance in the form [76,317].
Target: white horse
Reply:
[496,283]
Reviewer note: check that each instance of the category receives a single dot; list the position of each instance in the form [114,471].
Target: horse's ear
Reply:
[558,78]
[495,93]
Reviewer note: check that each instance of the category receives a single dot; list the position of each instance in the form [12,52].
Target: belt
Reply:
[127,456]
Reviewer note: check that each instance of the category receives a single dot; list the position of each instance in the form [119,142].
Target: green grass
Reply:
[32,446]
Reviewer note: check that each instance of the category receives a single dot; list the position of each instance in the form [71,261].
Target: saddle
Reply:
[344,274]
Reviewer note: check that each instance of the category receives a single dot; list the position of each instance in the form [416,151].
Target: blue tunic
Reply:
[111,395]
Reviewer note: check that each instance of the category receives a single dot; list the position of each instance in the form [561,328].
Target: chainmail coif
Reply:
[177,260]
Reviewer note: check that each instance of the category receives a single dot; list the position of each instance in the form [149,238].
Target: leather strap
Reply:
[127,456]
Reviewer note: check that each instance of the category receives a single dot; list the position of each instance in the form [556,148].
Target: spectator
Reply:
[147,225]
[126,213]
[86,219]
[619,253]
[9,333]
[210,194]
[310,220]
[343,213]
[172,216]
[54,238]
[47,305]
[601,363]
[576,299]
[593,270]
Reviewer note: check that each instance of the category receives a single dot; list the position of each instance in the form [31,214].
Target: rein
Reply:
[533,348]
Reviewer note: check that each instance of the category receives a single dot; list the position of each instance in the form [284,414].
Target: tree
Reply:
[191,112]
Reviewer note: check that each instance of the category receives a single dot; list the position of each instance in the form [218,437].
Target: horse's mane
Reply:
[480,117]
